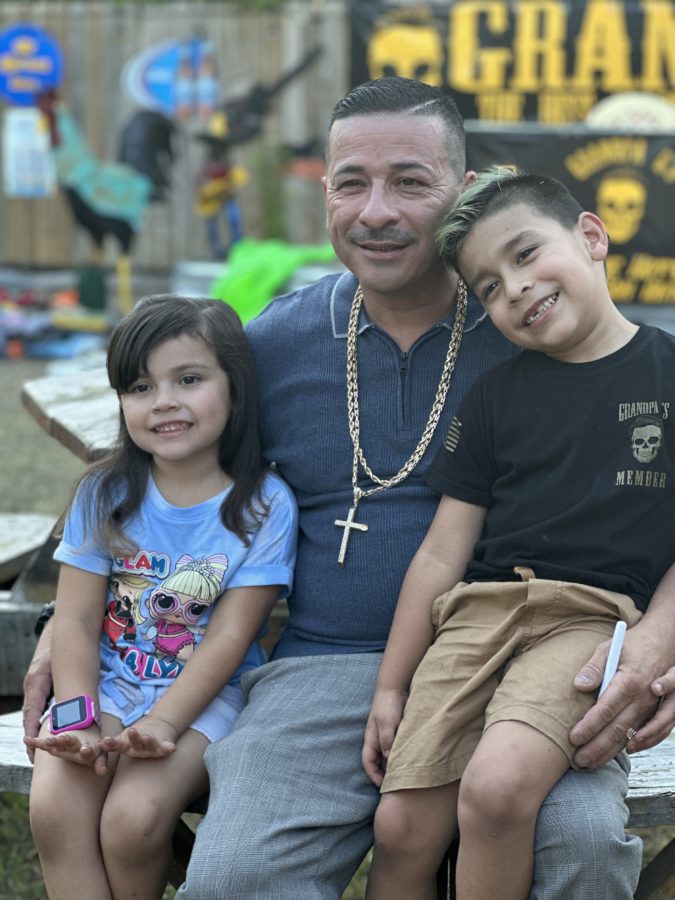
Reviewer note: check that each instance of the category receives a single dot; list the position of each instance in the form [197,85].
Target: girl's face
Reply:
[179,408]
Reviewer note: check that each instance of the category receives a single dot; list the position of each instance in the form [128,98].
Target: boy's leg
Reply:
[512,771]
[413,830]
[65,810]
[140,814]
[581,847]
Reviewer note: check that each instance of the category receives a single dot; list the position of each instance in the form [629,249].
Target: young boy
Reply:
[555,523]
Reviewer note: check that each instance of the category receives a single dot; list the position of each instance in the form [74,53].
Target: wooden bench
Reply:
[81,411]
[651,800]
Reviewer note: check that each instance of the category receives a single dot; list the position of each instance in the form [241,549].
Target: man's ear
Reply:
[595,235]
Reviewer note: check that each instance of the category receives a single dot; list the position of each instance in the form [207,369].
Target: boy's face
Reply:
[543,285]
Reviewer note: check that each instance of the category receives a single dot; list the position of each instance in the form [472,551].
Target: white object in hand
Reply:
[613,655]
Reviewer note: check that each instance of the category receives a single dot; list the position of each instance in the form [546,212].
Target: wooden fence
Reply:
[253,47]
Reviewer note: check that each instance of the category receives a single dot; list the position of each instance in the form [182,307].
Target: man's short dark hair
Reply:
[405,96]
[498,188]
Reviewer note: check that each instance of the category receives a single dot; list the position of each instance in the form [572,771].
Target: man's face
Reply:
[388,186]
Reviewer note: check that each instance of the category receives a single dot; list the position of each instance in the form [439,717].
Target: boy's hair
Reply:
[117,484]
[395,94]
[498,188]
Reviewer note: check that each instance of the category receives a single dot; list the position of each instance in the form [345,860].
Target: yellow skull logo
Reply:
[621,201]
[413,51]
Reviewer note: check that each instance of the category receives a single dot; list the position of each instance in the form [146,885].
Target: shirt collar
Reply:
[342,296]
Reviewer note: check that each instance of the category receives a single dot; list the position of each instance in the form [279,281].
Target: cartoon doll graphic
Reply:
[122,612]
[180,601]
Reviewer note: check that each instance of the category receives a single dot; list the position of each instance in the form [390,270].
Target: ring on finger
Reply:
[630,734]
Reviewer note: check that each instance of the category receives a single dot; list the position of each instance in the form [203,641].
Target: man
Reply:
[359,377]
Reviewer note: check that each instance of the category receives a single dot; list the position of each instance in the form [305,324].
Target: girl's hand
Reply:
[83,747]
[385,716]
[149,738]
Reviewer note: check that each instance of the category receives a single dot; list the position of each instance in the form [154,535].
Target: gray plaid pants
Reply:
[290,814]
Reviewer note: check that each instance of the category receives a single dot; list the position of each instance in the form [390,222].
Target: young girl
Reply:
[175,549]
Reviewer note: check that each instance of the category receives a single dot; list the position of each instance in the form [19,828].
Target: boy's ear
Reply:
[595,235]
[469,178]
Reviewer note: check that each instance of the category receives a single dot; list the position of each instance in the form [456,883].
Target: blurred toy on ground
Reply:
[37,324]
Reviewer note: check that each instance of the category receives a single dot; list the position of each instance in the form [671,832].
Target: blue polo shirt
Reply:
[300,347]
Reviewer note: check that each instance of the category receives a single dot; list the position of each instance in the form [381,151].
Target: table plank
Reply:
[651,796]
[15,768]
[79,409]
[20,535]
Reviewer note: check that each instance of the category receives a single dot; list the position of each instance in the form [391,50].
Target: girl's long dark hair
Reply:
[116,485]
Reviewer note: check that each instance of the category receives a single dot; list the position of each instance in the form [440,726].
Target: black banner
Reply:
[628,180]
[549,61]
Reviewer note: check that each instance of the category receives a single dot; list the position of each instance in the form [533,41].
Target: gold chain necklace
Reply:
[359,459]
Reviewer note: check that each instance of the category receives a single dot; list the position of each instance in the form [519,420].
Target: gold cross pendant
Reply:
[348,524]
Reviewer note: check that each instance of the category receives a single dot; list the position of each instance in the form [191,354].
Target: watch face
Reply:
[70,712]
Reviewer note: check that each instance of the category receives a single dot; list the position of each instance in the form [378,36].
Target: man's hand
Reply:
[385,716]
[629,701]
[659,726]
[149,738]
[82,747]
[37,687]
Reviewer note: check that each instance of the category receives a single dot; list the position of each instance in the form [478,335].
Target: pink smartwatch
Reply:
[73,715]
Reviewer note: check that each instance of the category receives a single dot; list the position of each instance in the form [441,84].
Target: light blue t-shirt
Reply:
[160,599]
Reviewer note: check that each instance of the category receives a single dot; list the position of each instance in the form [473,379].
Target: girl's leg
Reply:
[413,830]
[140,814]
[65,809]
[502,789]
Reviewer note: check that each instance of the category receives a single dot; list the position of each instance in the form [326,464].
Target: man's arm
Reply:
[37,685]
[631,699]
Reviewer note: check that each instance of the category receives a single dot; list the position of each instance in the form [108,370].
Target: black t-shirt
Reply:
[574,462]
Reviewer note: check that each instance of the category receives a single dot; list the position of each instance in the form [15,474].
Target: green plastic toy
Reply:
[257,270]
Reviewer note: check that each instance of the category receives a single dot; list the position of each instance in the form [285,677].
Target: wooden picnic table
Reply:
[79,409]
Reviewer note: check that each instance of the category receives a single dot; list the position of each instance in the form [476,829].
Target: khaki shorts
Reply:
[502,651]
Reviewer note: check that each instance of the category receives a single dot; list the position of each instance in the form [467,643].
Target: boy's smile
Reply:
[544,285]
[538,310]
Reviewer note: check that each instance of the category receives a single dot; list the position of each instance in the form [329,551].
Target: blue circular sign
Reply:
[30,62]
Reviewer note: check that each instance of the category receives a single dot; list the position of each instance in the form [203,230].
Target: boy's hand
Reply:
[149,738]
[629,700]
[82,747]
[385,716]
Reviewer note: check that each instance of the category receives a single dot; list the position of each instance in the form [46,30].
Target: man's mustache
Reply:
[382,236]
